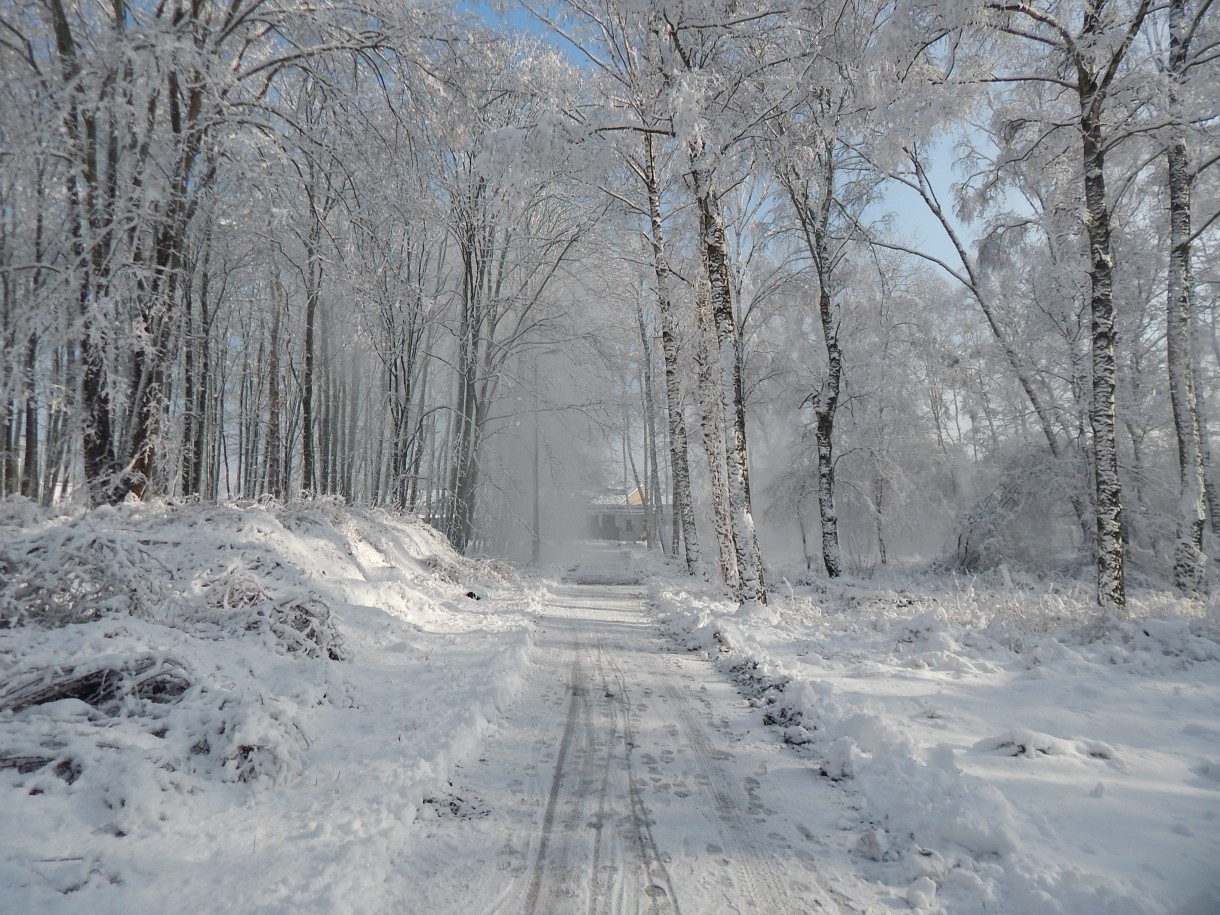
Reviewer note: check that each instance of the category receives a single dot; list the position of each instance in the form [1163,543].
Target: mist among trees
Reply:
[854,284]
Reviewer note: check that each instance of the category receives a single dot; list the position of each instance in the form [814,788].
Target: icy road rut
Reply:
[626,779]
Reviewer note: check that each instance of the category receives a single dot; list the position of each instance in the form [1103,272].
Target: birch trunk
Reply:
[1096,54]
[29,469]
[1111,583]
[1188,565]
[815,225]
[684,508]
[731,400]
[711,425]
[1210,496]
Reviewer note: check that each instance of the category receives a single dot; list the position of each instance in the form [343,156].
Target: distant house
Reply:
[624,518]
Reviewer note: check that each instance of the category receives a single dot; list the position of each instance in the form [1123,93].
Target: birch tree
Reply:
[708,127]
[623,46]
[1185,22]
[1096,52]
[1093,41]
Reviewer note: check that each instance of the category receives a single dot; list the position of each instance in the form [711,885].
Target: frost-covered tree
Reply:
[1187,72]
[813,129]
[143,103]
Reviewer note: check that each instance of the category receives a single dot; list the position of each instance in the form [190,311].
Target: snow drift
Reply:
[185,687]
[1008,750]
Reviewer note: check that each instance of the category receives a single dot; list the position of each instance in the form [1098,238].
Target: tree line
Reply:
[262,248]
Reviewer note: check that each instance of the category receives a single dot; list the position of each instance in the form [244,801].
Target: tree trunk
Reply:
[465,453]
[192,374]
[732,400]
[418,440]
[1111,583]
[276,482]
[652,487]
[1210,495]
[711,424]
[629,464]
[29,470]
[9,481]
[1188,565]
[202,447]
[815,225]
[58,440]
[878,508]
[313,291]
[679,452]
[829,516]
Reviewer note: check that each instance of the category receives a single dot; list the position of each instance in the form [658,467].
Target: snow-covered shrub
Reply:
[109,683]
[127,706]
[76,571]
[188,567]
[150,641]
[1025,520]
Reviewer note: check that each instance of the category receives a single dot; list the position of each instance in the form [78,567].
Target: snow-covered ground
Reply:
[1006,750]
[222,761]
[314,708]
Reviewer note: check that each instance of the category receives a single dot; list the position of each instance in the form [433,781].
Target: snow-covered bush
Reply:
[153,643]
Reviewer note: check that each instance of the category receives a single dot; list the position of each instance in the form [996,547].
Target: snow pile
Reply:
[204,696]
[1008,751]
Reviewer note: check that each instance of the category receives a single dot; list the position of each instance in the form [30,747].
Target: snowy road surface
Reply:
[626,778]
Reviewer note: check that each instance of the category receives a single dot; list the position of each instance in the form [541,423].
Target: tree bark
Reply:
[679,451]
[313,291]
[465,455]
[1108,494]
[1188,565]
[652,484]
[815,226]
[714,248]
[711,425]
[29,469]
[276,483]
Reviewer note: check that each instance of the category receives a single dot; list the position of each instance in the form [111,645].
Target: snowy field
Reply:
[281,709]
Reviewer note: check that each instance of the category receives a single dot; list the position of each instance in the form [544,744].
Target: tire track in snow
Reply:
[618,785]
[744,850]
[593,772]
[660,889]
[547,858]
[746,847]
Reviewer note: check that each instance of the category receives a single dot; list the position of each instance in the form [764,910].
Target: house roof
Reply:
[609,500]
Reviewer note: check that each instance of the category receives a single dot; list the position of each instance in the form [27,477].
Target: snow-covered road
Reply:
[629,778]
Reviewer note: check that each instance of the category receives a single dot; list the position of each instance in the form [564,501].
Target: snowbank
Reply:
[236,708]
[1009,752]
